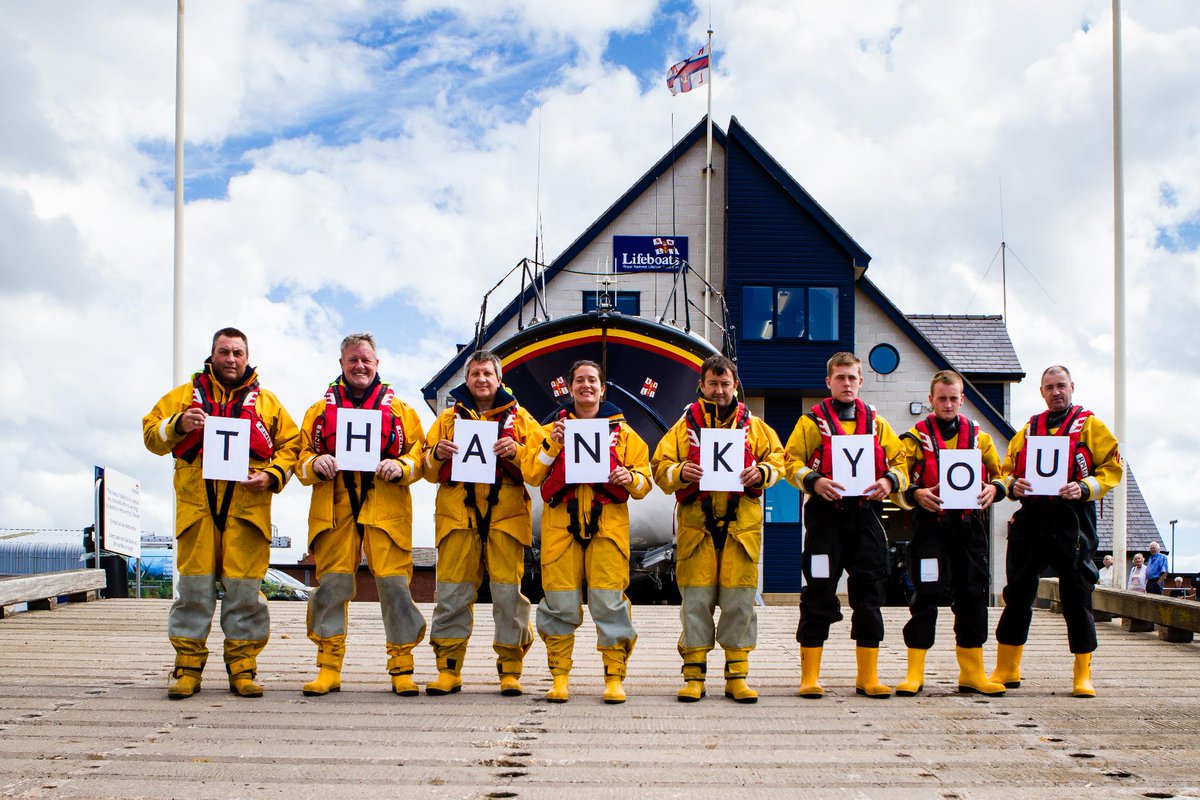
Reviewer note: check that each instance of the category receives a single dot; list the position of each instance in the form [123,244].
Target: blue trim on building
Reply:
[509,312]
[990,413]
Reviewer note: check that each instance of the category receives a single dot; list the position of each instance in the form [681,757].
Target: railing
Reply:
[1174,620]
[41,592]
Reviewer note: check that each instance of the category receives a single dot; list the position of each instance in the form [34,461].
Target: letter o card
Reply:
[474,462]
[1047,459]
[853,463]
[585,451]
[722,459]
[226,449]
[358,439]
[960,478]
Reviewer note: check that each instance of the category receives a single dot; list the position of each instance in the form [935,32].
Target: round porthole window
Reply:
[884,359]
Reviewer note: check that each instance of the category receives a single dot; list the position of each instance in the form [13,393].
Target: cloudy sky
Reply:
[373,165]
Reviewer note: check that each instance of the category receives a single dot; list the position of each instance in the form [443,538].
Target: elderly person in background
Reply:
[1156,569]
[1137,574]
[1106,573]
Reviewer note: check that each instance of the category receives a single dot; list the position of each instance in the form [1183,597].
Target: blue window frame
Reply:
[790,312]
[628,303]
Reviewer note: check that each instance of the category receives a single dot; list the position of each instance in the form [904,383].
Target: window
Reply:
[628,303]
[790,312]
[884,359]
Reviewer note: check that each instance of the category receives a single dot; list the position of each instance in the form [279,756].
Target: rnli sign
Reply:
[649,253]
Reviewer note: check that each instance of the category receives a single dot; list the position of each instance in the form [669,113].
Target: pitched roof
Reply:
[936,355]
[429,391]
[978,344]
[1140,528]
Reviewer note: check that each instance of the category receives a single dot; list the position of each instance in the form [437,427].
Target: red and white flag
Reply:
[689,73]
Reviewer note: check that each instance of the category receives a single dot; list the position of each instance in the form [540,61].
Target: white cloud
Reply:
[393,151]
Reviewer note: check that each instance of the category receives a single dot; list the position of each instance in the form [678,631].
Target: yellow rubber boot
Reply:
[242,673]
[695,667]
[1083,676]
[914,681]
[400,668]
[737,667]
[1008,665]
[971,677]
[509,664]
[330,653]
[510,685]
[614,692]
[186,675]
[558,655]
[867,682]
[450,654]
[810,671]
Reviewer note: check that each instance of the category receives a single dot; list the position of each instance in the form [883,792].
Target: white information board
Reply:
[122,508]
[226,449]
[1047,460]
[474,462]
[358,439]
[722,459]
[853,462]
[585,451]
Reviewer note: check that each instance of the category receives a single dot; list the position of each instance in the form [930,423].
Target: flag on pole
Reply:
[689,73]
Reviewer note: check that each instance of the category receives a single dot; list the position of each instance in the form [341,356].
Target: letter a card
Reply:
[1047,460]
[474,462]
[960,478]
[722,457]
[226,449]
[358,439]
[854,463]
[585,450]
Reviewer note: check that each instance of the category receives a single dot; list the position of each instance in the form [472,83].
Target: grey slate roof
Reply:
[974,343]
[1140,528]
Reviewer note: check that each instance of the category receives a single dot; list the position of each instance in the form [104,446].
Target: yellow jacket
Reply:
[511,514]
[1107,468]
[540,455]
[387,505]
[806,438]
[672,453]
[914,457]
[191,499]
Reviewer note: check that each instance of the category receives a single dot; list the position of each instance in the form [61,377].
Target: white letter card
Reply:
[1047,459]
[722,457]
[226,449]
[474,462]
[960,478]
[358,439]
[854,463]
[585,448]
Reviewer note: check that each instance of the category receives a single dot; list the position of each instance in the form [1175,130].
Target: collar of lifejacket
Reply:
[607,409]
[463,399]
[248,378]
[845,411]
[350,392]
[714,416]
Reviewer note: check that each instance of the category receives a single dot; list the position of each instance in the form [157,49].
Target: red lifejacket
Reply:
[932,443]
[379,396]
[1072,426]
[504,467]
[241,405]
[695,421]
[555,489]
[826,418]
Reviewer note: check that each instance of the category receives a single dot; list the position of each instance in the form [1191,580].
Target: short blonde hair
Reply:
[843,359]
[946,376]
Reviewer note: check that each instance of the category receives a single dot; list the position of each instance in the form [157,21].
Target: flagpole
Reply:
[708,196]
[1119,493]
[177,309]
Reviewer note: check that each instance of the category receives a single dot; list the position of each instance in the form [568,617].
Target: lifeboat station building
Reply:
[787,287]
